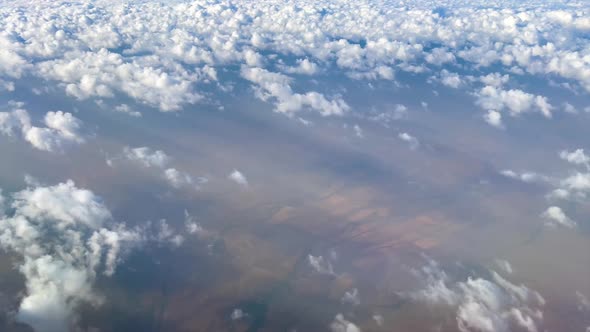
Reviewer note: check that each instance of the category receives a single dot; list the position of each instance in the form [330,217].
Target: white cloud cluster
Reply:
[556,217]
[576,157]
[237,177]
[64,236]
[574,187]
[158,159]
[276,85]
[320,264]
[161,54]
[514,100]
[340,324]
[482,304]
[351,297]
[61,129]
[411,140]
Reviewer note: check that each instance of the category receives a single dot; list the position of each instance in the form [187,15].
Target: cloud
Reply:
[192,227]
[351,297]
[504,265]
[158,159]
[177,179]
[166,62]
[514,100]
[237,314]
[238,178]
[358,131]
[577,183]
[102,73]
[411,140]
[451,80]
[320,264]
[146,156]
[576,157]
[482,304]
[528,177]
[124,108]
[62,129]
[583,302]
[65,236]
[494,118]
[304,67]
[339,324]
[556,217]
[276,86]
[166,235]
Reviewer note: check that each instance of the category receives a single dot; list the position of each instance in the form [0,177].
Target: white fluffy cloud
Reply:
[276,86]
[491,304]
[351,297]
[146,156]
[576,157]
[494,118]
[339,324]
[159,160]
[514,100]
[411,140]
[163,60]
[64,236]
[320,264]
[556,217]
[238,178]
[62,129]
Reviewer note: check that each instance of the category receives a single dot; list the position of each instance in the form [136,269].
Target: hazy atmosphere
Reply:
[339,166]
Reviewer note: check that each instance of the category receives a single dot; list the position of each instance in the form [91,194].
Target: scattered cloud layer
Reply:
[158,159]
[486,304]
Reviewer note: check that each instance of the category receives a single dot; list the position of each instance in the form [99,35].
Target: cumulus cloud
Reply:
[62,129]
[103,73]
[576,157]
[556,217]
[452,80]
[158,159]
[339,324]
[164,64]
[491,304]
[177,179]
[276,86]
[320,264]
[494,118]
[65,236]
[237,314]
[146,156]
[237,177]
[358,131]
[191,225]
[303,67]
[504,265]
[514,100]
[411,140]
[351,297]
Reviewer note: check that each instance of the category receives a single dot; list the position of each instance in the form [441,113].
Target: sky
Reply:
[333,165]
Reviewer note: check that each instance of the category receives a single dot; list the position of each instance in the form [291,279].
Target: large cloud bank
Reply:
[165,54]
